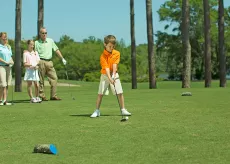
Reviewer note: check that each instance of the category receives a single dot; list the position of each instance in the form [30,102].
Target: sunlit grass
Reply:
[165,127]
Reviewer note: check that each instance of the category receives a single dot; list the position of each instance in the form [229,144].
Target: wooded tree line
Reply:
[84,57]
[203,29]
[196,48]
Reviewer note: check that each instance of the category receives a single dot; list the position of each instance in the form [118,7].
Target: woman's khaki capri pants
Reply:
[5,76]
[105,83]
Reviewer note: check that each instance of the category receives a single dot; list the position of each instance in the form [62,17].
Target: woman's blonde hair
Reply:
[3,33]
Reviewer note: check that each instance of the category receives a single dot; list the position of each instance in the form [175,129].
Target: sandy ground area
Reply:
[62,84]
[47,84]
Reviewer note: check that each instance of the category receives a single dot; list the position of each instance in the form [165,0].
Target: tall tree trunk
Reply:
[222,58]
[40,22]
[133,46]
[186,47]
[18,72]
[151,60]
[207,50]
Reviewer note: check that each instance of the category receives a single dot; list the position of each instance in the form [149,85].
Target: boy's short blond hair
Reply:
[110,39]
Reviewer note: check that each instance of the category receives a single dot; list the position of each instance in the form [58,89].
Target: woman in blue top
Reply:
[6,62]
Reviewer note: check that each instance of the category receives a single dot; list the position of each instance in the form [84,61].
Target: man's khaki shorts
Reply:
[5,76]
[105,83]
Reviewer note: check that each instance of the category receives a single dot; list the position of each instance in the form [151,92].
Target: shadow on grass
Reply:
[88,115]
[20,101]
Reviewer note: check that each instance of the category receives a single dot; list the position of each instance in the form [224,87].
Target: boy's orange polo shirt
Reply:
[107,60]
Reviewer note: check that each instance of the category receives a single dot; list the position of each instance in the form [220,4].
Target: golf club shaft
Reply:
[118,99]
[12,96]
[37,80]
[67,78]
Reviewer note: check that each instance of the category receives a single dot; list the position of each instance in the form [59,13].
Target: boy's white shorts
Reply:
[105,83]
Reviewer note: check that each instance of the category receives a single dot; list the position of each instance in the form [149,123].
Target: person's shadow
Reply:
[20,101]
[88,115]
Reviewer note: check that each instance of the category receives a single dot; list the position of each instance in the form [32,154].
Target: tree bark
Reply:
[222,57]
[207,50]
[186,47]
[40,22]
[151,60]
[133,46]
[18,72]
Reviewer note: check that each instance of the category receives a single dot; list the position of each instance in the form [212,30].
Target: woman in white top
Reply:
[31,60]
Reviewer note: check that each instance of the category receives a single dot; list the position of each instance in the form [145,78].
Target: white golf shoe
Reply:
[124,112]
[96,113]
[33,100]
[7,103]
[1,103]
[38,99]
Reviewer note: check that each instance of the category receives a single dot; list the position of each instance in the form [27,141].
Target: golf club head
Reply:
[12,103]
[124,119]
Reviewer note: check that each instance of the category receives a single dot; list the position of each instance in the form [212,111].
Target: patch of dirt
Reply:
[62,84]
[59,84]
[65,84]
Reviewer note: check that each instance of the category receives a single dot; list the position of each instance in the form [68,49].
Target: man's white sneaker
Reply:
[124,112]
[33,100]
[38,99]
[1,103]
[96,113]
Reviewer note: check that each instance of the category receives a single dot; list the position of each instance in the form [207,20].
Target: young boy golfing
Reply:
[109,61]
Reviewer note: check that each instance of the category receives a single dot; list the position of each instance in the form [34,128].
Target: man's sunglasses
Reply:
[44,33]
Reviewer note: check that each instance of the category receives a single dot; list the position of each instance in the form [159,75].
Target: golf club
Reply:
[67,78]
[12,95]
[123,119]
[37,81]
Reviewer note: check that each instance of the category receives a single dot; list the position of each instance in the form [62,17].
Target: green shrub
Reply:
[92,76]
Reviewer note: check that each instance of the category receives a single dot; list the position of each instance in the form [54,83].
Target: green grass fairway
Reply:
[165,127]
